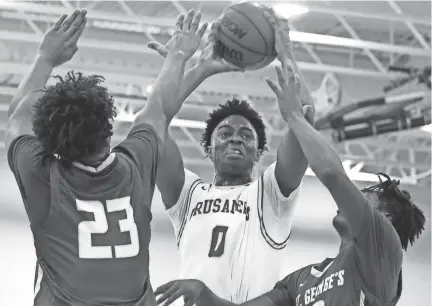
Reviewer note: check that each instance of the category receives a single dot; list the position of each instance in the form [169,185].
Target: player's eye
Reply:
[247,136]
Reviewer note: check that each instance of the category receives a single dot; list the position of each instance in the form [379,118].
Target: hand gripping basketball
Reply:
[186,38]
[59,44]
[210,58]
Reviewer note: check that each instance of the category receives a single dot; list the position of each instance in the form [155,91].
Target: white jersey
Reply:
[233,238]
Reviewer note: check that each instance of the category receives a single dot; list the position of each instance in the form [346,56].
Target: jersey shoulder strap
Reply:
[54,182]
[276,245]
[184,211]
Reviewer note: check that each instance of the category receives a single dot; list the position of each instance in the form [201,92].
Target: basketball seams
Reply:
[256,28]
[270,25]
[244,47]
[235,42]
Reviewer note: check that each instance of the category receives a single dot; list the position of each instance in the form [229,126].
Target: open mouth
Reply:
[235,152]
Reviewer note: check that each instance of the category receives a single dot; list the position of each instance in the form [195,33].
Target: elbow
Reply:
[326,177]
[330,175]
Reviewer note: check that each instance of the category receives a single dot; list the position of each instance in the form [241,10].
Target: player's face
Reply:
[234,146]
[374,201]
[340,223]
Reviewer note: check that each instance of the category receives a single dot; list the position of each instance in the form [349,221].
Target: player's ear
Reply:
[389,216]
[209,153]
[258,155]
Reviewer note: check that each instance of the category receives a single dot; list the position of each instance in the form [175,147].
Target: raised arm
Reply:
[376,243]
[320,155]
[58,46]
[163,99]
[171,175]
[291,163]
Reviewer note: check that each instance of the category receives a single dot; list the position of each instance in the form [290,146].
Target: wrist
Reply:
[176,56]
[204,70]
[205,294]
[294,117]
[43,62]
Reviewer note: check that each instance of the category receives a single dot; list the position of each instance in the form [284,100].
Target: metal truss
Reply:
[31,13]
[400,155]
[404,156]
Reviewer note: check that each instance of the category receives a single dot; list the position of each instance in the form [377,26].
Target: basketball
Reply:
[246,39]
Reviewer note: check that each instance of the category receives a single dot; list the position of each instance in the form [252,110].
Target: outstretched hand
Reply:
[190,289]
[59,44]
[287,94]
[285,54]
[210,59]
[186,38]
[283,44]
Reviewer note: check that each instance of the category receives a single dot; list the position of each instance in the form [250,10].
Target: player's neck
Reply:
[95,160]
[231,180]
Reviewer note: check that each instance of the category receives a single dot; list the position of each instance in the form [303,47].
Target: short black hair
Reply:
[72,118]
[235,107]
[408,219]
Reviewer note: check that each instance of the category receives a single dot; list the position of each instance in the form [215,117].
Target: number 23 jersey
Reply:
[91,225]
[233,238]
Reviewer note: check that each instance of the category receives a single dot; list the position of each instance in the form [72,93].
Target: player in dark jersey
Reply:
[88,205]
[375,225]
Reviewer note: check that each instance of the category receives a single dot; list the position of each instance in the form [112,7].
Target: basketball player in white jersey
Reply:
[232,233]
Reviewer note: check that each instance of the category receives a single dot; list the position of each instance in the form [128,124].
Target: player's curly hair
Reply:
[73,117]
[408,219]
[234,107]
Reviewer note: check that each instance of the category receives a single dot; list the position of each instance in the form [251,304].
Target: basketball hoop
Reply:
[328,95]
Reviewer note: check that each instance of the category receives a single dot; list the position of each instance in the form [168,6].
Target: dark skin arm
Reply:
[290,157]
[58,46]
[321,156]
[171,175]
[163,99]
[196,292]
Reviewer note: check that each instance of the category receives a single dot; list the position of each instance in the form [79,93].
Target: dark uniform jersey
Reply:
[368,273]
[91,226]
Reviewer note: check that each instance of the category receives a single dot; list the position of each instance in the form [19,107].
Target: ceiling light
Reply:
[288,10]
[427,128]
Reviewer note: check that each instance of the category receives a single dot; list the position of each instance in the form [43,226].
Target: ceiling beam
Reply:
[140,48]
[312,8]
[410,25]
[378,16]
[170,22]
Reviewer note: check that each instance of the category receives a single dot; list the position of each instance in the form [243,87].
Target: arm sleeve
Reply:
[25,159]
[178,212]
[284,292]
[379,254]
[143,146]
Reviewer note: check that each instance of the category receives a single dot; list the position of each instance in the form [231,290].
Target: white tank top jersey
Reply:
[233,238]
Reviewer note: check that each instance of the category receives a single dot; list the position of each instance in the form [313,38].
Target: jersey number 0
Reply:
[217,244]
[100,226]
